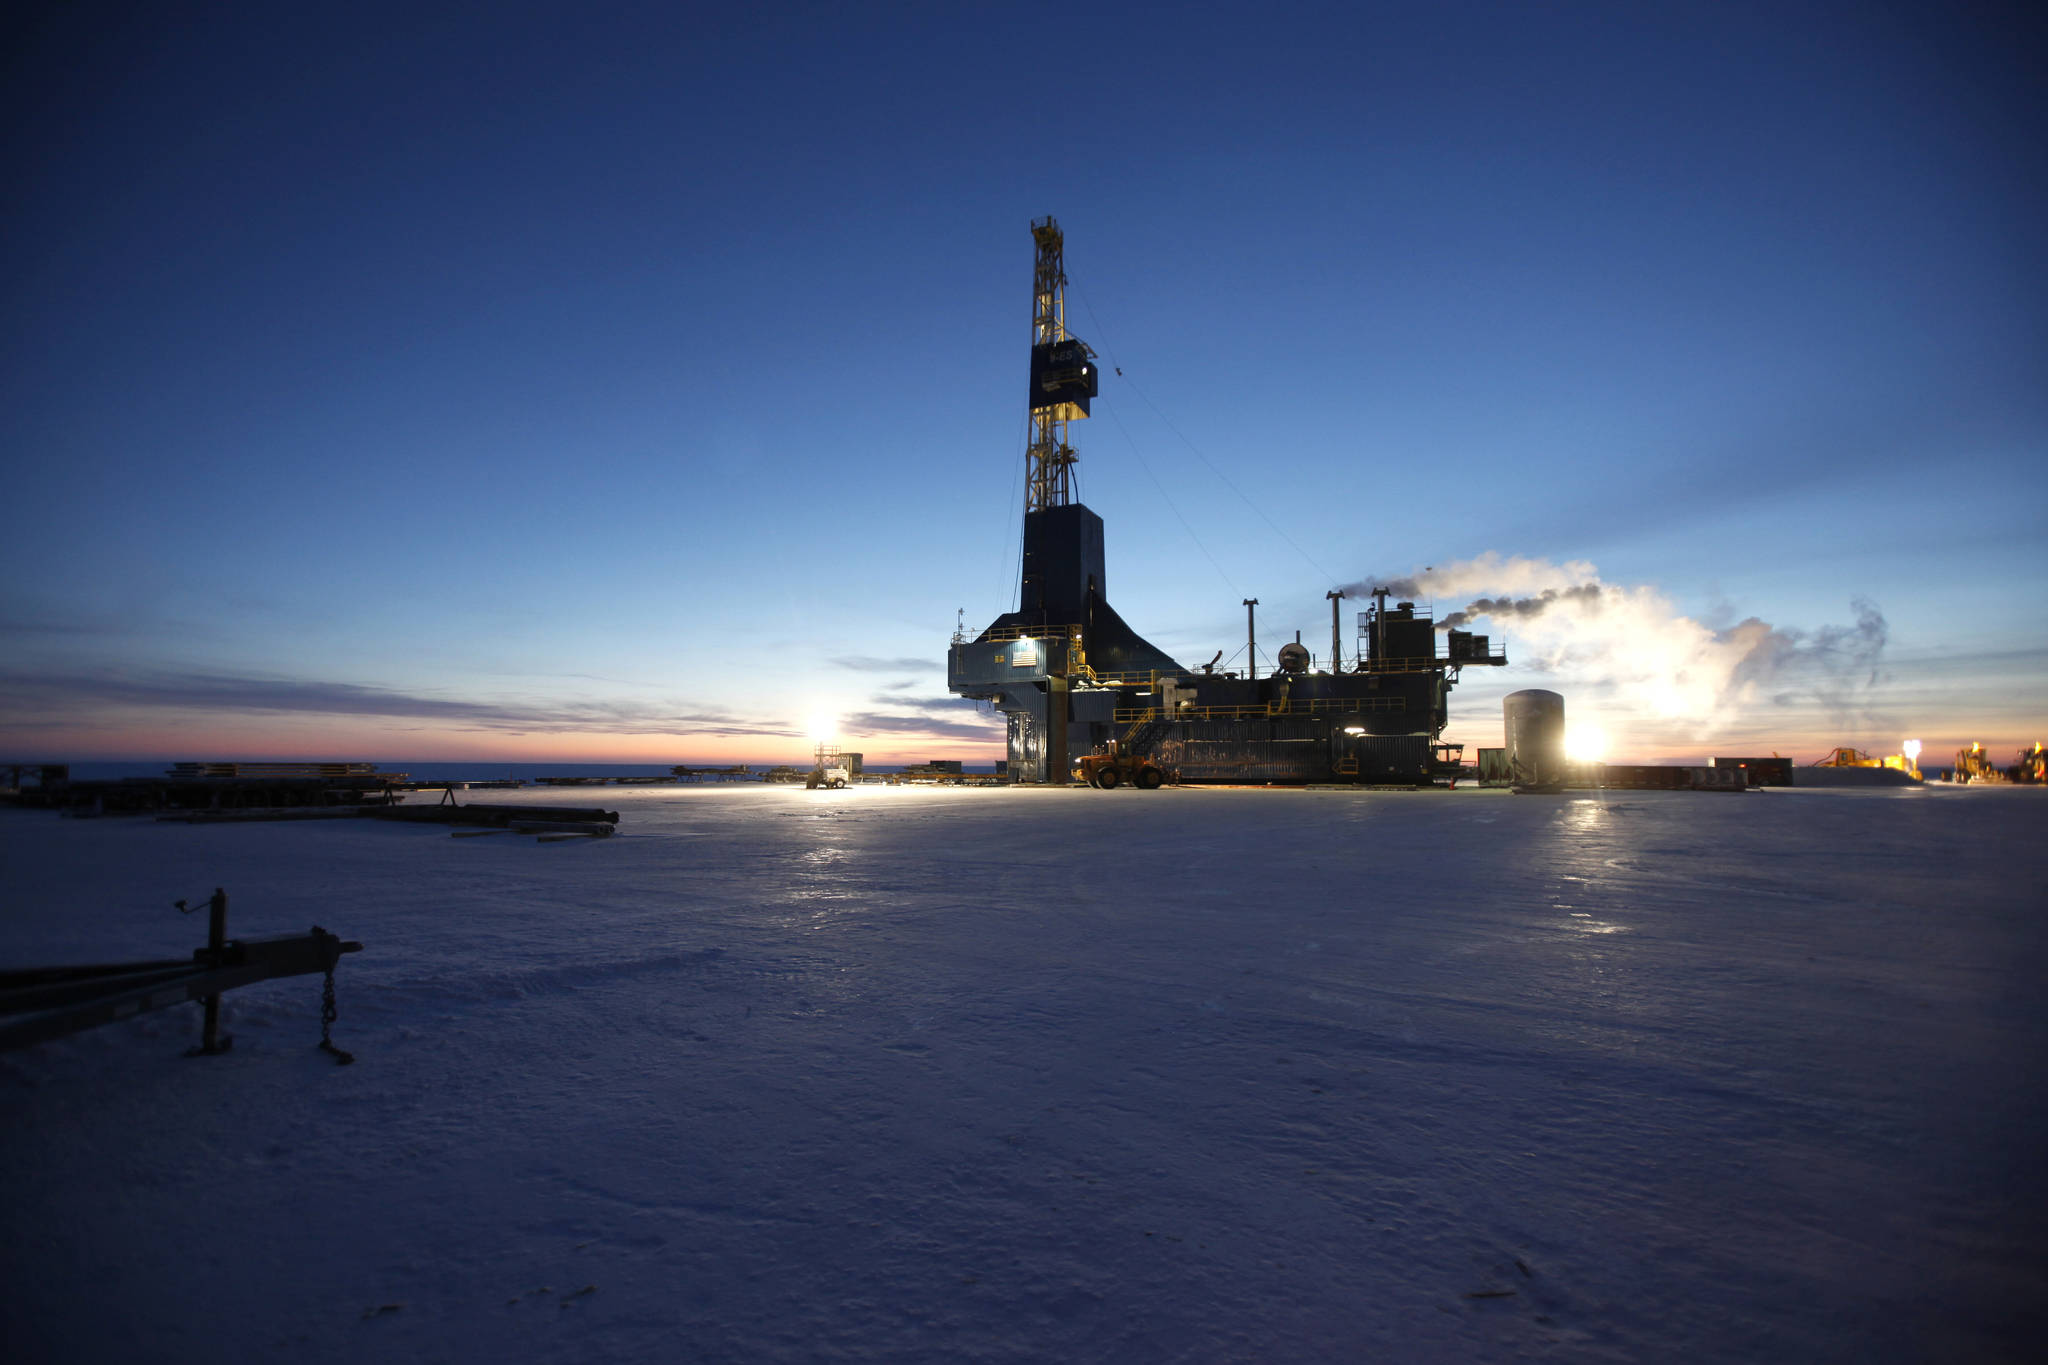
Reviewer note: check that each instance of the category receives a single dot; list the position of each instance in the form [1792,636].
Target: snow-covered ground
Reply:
[917,1074]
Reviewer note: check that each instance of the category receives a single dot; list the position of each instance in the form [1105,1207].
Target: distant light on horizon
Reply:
[1585,743]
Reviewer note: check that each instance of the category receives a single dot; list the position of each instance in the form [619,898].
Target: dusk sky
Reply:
[641,383]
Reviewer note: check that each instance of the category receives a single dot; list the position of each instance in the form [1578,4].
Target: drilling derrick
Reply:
[1063,375]
[1042,664]
[1077,686]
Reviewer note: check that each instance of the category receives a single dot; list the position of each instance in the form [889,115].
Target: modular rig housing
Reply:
[1071,677]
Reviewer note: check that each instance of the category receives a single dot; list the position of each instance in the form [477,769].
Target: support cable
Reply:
[1013,547]
[1167,498]
[1110,352]
[1250,672]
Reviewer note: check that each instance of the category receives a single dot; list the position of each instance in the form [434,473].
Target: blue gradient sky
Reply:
[515,381]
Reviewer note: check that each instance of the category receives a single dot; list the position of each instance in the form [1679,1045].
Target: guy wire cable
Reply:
[1009,572]
[1167,498]
[1259,511]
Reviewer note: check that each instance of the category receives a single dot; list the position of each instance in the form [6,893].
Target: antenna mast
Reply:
[1063,378]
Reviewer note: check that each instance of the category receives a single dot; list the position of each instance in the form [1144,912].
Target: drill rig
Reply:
[1073,679]
[1063,633]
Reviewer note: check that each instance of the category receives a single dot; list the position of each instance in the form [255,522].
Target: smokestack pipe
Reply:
[1336,636]
[1251,639]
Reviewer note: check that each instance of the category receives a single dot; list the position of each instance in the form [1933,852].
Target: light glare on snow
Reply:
[925,1075]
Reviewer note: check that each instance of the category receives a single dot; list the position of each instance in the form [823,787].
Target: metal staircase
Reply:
[1143,734]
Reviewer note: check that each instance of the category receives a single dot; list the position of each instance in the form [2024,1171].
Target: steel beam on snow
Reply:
[38,1004]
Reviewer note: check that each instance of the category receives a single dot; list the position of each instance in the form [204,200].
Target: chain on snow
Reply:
[329,1013]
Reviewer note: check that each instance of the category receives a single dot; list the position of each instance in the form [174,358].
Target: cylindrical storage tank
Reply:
[1535,735]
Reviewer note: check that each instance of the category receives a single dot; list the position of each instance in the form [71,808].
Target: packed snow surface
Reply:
[1025,1075]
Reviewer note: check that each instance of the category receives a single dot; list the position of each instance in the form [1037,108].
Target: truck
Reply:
[832,770]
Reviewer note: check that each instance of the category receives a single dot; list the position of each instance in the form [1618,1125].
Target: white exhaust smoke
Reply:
[1663,679]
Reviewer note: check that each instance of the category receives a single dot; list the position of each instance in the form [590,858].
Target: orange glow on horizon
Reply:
[332,739]
[192,735]
[1636,747]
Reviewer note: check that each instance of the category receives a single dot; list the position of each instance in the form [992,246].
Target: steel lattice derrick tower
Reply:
[1063,376]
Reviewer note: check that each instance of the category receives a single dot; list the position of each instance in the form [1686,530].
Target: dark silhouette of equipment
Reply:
[1072,678]
[41,1003]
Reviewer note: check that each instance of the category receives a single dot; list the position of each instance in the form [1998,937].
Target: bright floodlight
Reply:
[1912,750]
[822,726]
[1585,743]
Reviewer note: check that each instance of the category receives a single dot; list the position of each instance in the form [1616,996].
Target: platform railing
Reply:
[1301,706]
[1008,633]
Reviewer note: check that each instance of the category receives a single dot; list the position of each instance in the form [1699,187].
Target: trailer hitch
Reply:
[38,1004]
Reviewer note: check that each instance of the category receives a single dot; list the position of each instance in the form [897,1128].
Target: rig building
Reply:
[1073,678]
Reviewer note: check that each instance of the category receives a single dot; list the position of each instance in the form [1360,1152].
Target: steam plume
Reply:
[1630,646]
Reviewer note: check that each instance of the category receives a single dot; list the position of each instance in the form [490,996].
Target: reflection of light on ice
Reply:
[1584,815]
[914,1022]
